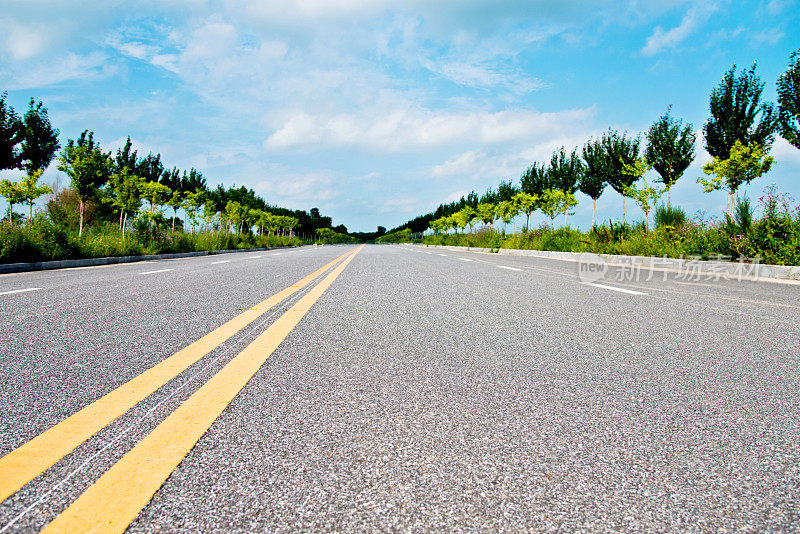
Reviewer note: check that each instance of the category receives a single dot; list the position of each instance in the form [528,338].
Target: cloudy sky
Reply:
[376,111]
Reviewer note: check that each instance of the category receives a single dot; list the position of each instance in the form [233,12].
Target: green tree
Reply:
[11,135]
[645,196]
[88,169]
[670,149]
[526,203]
[127,191]
[620,151]
[737,114]
[554,202]
[191,205]
[596,171]
[789,101]
[486,212]
[565,171]
[507,210]
[39,141]
[175,201]
[157,194]
[463,217]
[234,214]
[13,194]
[745,164]
[209,214]
[535,179]
[31,190]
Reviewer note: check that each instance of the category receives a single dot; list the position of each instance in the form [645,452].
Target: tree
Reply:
[39,140]
[670,149]
[505,191]
[526,203]
[175,202]
[209,214]
[565,171]
[737,114]
[486,212]
[507,210]
[11,135]
[645,196]
[595,173]
[789,101]
[191,205]
[157,194]
[87,167]
[554,202]
[127,189]
[150,168]
[126,157]
[13,195]
[535,180]
[745,164]
[620,151]
[463,217]
[234,213]
[30,189]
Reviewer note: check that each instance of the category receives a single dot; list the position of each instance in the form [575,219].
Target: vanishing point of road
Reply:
[395,388]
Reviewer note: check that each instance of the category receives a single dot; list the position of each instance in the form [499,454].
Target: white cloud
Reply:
[414,129]
[661,39]
[62,68]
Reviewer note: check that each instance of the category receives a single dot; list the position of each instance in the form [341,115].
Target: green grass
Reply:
[774,239]
[43,240]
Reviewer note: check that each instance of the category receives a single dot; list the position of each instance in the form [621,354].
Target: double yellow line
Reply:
[115,499]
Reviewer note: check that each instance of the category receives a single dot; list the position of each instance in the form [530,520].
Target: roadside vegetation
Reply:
[738,136]
[124,204]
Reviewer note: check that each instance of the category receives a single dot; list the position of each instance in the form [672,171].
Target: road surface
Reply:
[395,388]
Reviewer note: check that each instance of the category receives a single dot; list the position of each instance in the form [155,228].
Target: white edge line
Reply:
[509,268]
[256,257]
[20,290]
[612,288]
[464,259]
[158,271]
[218,262]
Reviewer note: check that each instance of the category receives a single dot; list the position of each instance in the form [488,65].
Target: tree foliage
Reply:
[670,149]
[789,101]
[11,135]
[745,164]
[738,114]
[39,140]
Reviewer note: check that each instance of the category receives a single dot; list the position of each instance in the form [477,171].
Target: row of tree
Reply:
[121,183]
[738,135]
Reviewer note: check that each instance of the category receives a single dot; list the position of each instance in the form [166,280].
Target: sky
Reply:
[376,111]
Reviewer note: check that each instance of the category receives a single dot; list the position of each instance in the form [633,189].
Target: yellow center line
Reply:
[25,463]
[112,502]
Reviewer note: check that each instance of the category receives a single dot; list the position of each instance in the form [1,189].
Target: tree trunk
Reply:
[594,209]
[529,222]
[565,219]
[120,218]
[10,211]
[174,214]
[669,197]
[124,224]
[80,221]
[623,209]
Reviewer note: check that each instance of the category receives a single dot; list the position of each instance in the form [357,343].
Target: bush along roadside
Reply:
[40,239]
[772,239]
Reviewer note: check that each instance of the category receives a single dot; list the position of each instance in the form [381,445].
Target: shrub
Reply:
[669,216]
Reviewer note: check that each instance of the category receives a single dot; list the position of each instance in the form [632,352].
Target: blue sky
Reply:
[376,111]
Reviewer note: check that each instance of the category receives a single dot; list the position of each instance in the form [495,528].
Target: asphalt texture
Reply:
[424,392]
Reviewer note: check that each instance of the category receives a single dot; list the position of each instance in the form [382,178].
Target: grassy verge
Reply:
[43,240]
[773,240]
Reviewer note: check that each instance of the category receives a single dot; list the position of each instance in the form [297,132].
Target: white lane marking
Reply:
[463,259]
[256,257]
[612,288]
[276,254]
[509,268]
[445,255]
[429,253]
[221,261]
[158,271]
[20,290]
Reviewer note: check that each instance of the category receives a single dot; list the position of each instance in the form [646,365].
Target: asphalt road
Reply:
[425,390]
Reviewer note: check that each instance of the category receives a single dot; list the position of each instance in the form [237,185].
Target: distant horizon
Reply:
[376,113]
